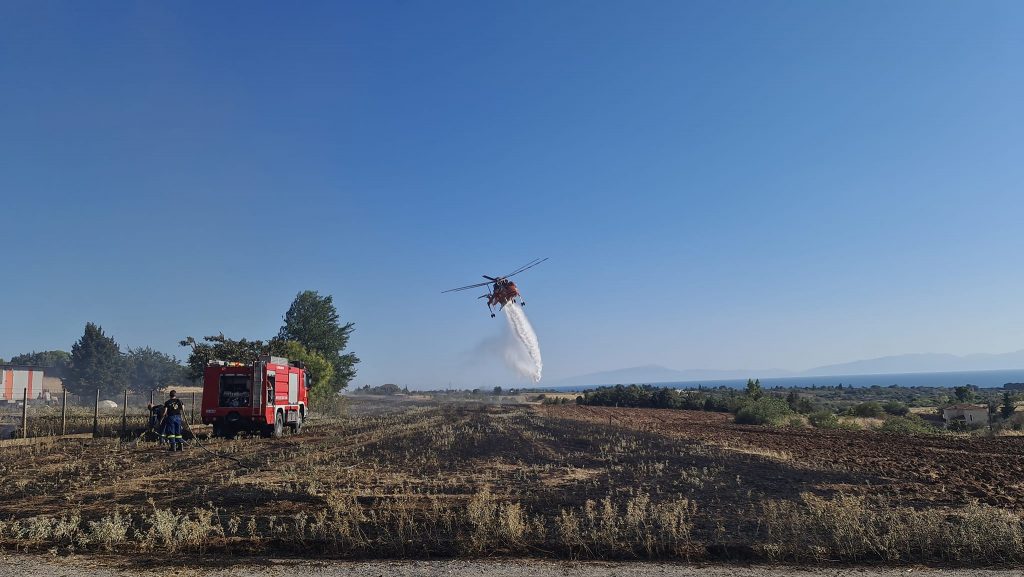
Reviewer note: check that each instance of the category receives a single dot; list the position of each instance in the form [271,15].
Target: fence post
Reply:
[24,413]
[192,410]
[64,413]
[124,417]
[96,416]
[151,391]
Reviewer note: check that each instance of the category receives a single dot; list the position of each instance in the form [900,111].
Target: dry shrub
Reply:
[858,529]
[638,528]
[110,532]
[811,529]
[498,526]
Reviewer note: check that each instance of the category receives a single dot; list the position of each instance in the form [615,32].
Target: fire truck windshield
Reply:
[234,390]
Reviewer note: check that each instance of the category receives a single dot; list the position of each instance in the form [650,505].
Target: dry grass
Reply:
[862,422]
[756,451]
[858,529]
[428,481]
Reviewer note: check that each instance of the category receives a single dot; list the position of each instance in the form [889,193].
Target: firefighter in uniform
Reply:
[156,417]
[172,422]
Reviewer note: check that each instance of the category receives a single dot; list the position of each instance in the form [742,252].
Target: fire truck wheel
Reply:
[278,426]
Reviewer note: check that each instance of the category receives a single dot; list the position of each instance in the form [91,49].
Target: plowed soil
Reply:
[916,470]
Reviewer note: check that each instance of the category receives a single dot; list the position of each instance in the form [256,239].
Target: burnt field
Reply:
[477,480]
[919,471]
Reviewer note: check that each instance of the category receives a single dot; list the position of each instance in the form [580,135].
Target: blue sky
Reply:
[718,184]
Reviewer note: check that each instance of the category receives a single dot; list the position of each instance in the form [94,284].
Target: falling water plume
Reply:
[529,364]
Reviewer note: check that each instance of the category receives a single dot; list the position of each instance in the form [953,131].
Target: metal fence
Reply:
[125,416]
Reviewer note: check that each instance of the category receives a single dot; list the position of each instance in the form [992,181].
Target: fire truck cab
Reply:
[261,397]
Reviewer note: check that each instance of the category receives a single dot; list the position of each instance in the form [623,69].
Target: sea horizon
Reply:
[995,378]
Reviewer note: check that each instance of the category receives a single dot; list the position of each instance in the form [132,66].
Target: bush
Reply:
[896,408]
[869,409]
[912,425]
[764,411]
[824,420]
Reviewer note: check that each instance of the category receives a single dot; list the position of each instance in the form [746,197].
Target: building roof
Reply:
[968,407]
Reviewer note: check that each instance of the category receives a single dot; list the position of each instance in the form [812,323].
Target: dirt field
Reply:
[919,471]
[417,480]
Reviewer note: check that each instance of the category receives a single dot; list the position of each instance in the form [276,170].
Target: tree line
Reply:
[97,362]
[312,333]
[755,405]
[650,396]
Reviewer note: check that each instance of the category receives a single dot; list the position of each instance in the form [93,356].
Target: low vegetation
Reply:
[764,411]
[890,409]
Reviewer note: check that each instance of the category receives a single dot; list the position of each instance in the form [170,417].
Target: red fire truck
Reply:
[261,397]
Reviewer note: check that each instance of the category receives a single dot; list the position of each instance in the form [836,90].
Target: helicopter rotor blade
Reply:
[492,280]
[528,265]
[467,287]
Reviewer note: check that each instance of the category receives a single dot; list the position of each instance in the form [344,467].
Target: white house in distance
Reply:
[971,415]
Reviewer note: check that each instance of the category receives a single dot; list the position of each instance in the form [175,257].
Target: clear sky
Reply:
[718,184]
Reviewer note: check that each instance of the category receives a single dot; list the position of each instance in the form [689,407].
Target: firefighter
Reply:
[172,421]
[156,417]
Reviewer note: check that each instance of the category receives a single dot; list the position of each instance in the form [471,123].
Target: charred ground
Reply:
[425,480]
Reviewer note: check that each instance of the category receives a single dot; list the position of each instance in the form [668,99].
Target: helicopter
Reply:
[501,291]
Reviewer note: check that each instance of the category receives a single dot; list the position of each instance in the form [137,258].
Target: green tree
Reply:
[754,390]
[823,419]
[97,362]
[964,393]
[894,407]
[764,411]
[871,409]
[804,406]
[150,369]
[1009,405]
[319,370]
[55,361]
[313,321]
[220,348]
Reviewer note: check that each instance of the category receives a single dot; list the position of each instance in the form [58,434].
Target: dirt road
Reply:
[39,566]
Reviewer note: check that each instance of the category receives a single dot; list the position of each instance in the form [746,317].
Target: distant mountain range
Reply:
[923,363]
[911,363]
[660,374]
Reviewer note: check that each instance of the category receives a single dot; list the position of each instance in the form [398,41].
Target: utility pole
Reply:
[64,413]
[24,413]
[124,417]
[96,415]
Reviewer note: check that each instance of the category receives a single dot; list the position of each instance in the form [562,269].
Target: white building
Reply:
[970,415]
[15,380]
